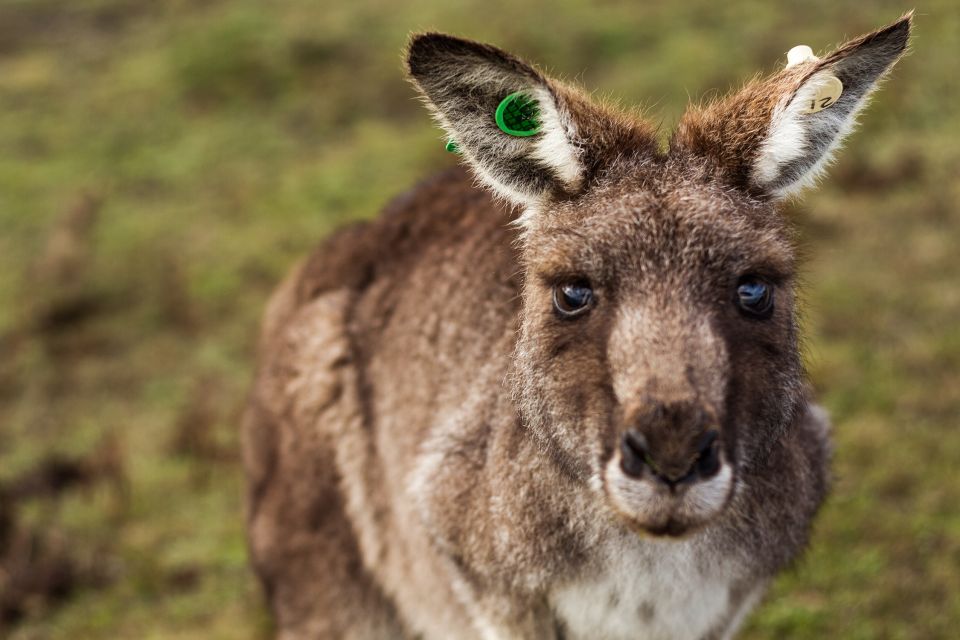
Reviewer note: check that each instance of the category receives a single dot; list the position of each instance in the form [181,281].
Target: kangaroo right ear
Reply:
[465,83]
[777,136]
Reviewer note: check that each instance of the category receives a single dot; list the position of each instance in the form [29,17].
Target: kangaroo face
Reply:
[657,356]
[658,336]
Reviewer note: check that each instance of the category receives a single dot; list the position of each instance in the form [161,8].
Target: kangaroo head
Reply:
[657,357]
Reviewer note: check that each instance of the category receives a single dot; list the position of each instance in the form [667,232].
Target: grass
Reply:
[162,164]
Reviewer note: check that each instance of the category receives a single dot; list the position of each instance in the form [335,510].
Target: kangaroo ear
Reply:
[465,84]
[776,136]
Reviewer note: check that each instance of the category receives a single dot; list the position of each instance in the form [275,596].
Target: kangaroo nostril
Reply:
[633,453]
[708,458]
[635,459]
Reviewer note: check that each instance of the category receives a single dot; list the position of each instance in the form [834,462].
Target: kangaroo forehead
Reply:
[651,227]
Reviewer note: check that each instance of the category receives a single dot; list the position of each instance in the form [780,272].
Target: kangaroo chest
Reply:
[660,589]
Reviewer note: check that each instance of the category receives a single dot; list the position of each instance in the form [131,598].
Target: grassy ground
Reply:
[163,163]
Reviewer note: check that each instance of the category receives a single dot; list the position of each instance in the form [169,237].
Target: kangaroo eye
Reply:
[755,296]
[572,299]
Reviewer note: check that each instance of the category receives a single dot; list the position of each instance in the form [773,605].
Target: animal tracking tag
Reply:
[830,88]
[517,115]
[800,54]
[827,94]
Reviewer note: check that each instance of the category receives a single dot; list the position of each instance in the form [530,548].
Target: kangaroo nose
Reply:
[636,458]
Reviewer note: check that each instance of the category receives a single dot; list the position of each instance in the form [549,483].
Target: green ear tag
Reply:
[517,115]
[452,146]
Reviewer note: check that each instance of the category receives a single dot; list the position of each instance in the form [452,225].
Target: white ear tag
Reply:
[800,54]
[827,95]
[829,89]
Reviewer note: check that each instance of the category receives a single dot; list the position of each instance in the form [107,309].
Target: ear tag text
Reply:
[830,88]
[518,115]
[827,95]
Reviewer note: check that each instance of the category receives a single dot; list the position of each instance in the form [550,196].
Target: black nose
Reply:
[636,459]
[633,453]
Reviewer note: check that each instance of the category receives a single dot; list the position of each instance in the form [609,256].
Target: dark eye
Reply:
[572,299]
[755,296]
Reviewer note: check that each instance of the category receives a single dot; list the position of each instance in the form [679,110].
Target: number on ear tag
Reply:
[827,95]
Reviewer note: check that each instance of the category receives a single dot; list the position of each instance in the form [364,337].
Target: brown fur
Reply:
[431,450]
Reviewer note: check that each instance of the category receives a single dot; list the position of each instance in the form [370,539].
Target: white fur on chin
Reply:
[652,505]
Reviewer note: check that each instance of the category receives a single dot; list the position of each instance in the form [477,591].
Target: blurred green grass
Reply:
[162,164]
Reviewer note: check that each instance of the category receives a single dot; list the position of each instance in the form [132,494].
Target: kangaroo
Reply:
[562,397]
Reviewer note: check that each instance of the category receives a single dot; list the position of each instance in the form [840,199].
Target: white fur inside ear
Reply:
[553,147]
[794,135]
[501,187]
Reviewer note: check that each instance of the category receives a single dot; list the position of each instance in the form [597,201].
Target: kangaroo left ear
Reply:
[527,137]
[775,137]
